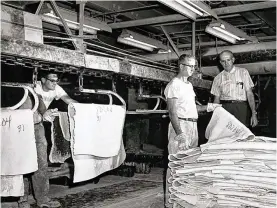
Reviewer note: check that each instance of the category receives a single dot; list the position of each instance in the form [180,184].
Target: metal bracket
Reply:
[154,110]
[81,81]
[26,87]
[35,76]
[100,91]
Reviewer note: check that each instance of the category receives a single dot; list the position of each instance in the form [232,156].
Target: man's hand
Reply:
[212,106]
[183,141]
[254,120]
[50,114]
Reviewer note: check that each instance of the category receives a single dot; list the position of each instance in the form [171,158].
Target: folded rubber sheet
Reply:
[96,139]
[87,166]
[18,145]
[12,186]
[60,138]
[18,150]
[225,128]
[97,129]
[232,170]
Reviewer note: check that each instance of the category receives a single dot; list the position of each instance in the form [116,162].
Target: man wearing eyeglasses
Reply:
[183,111]
[47,90]
[233,88]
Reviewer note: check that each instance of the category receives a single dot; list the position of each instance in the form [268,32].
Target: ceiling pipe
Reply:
[257,68]
[202,30]
[212,43]
[215,51]
[132,57]
[197,20]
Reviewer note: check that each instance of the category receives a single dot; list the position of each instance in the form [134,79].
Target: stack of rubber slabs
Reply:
[237,174]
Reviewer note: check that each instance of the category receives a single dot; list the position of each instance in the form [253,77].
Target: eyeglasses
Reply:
[53,80]
[191,66]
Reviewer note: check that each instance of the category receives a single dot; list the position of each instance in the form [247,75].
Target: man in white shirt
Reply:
[233,88]
[183,111]
[47,89]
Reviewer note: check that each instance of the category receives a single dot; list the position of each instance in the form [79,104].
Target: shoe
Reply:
[23,205]
[49,204]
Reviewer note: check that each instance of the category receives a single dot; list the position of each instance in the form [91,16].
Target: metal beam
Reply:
[178,17]
[193,39]
[80,40]
[170,41]
[267,18]
[258,68]
[117,6]
[68,31]
[197,20]
[39,7]
[214,51]
[129,10]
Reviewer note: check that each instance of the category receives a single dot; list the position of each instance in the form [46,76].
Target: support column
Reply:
[193,39]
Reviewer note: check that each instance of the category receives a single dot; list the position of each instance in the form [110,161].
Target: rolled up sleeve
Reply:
[172,90]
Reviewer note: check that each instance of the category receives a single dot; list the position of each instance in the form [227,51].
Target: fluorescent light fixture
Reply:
[139,41]
[221,28]
[190,8]
[51,18]
[223,36]
[136,44]
[183,3]
[161,51]
[227,32]
[77,23]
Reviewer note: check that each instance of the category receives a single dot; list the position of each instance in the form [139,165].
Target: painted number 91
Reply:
[20,128]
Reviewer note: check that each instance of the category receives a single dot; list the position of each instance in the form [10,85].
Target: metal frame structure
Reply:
[26,87]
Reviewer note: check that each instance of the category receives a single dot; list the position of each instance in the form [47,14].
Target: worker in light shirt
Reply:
[183,111]
[233,89]
[47,90]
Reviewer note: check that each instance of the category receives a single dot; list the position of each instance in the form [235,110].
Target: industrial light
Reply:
[139,41]
[161,51]
[226,32]
[221,28]
[223,36]
[131,38]
[190,8]
[137,44]
[51,18]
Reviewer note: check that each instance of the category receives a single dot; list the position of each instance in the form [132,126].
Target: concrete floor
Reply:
[140,191]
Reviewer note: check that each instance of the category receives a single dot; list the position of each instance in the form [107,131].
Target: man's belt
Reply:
[189,119]
[232,101]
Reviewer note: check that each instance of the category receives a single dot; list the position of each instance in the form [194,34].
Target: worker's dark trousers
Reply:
[40,178]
